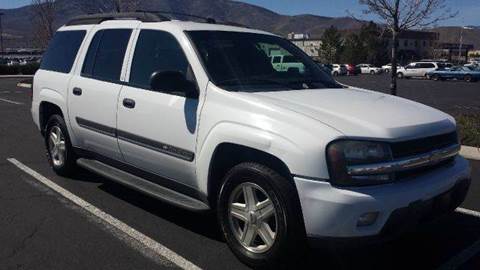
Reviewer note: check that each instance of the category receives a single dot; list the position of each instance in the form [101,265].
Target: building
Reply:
[455,52]
[474,55]
[310,45]
[414,45]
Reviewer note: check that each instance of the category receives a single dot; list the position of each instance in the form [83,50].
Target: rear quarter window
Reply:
[62,51]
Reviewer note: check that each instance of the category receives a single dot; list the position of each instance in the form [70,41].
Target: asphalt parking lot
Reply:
[449,96]
[41,229]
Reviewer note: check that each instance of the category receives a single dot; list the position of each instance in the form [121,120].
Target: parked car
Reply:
[388,68]
[281,157]
[352,70]
[287,63]
[417,69]
[369,69]
[459,73]
[339,70]
[328,68]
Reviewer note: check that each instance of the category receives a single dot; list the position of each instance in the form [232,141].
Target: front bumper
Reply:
[332,212]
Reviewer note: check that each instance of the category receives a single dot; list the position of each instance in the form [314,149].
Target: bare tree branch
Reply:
[402,15]
[43,19]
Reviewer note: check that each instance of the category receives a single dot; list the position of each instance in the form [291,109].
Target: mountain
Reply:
[17,23]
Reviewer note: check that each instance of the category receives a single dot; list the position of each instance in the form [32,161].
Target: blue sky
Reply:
[469,10]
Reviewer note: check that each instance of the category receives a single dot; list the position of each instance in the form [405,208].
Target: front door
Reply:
[157,130]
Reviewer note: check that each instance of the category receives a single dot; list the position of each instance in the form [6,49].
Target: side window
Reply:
[156,51]
[277,59]
[105,55]
[62,51]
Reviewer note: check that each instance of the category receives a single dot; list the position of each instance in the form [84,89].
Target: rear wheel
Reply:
[259,213]
[468,78]
[400,75]
[372,72]
[60,152]
[335,73]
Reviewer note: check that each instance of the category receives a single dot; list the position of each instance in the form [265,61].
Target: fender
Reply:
[54,97]
[227,132]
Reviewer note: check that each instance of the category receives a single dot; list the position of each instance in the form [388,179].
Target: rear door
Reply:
[93,93]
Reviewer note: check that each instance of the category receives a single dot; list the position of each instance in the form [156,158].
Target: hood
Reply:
[362,113]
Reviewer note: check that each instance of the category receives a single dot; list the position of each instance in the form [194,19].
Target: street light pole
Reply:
[460,45]
[1,34]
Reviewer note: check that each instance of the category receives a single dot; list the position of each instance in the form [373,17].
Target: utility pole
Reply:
[1,34]
[460,45]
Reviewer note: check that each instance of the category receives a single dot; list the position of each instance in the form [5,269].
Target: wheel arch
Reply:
[227,155]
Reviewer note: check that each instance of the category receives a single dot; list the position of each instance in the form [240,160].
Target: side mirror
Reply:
[173,82]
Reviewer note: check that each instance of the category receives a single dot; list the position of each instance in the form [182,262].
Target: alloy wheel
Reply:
[253,217]
[56,146]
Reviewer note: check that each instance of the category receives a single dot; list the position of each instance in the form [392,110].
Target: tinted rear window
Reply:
[105,55]
[62,51]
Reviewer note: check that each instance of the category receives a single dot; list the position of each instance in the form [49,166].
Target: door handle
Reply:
[77,91]
[129,103]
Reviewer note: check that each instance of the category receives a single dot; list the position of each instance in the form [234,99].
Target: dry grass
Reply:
[469,128]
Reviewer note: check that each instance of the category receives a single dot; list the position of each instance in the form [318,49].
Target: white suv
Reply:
[196,115]
[339,70]
[369,69]
[417,69]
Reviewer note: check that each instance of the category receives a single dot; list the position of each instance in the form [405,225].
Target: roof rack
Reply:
[101,17]
[206,19]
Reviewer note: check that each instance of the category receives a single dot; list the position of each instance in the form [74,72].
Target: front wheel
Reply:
[259,214]
[468,78]
[400,75]
[372,72]
[60,152]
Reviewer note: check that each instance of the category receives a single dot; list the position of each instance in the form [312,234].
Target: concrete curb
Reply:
[15,76]
[470,152]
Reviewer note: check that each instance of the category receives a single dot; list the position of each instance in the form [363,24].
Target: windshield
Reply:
[250,62]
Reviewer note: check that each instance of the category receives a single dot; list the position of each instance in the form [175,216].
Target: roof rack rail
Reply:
[206,19]
[101,17]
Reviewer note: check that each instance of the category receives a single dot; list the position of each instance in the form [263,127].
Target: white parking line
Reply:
[466,254]
[11,101]
[135,235]
[468,212]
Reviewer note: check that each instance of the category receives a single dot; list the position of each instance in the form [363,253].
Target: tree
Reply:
[401,15]
[331,47]
[353,50]
[373,44]
[43,17]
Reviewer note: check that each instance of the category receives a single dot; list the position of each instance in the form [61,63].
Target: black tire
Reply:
[372,72]
[435,77]
[400,75]
[468,78]
[289,244]
[335,74]
[68,166]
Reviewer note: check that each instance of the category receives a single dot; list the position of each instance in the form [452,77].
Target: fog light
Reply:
[367,219]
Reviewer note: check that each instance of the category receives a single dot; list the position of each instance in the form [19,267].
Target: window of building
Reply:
[62,51]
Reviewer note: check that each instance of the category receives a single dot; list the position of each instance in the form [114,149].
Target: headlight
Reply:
[343,153]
